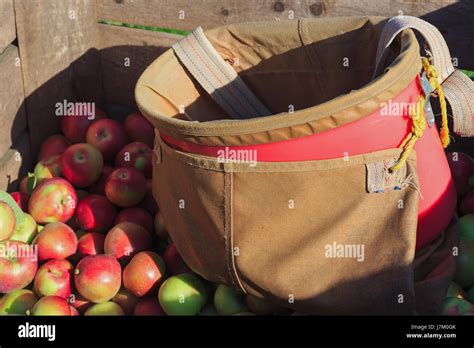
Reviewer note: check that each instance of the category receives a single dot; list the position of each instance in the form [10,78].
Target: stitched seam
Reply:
[223,84]
[228,184]
[210,83]
[231,85]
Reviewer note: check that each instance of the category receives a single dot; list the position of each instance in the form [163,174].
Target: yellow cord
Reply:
[419,121]
[432,76]
[417,129]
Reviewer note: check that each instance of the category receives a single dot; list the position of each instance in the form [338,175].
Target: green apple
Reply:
[466,228]
[456,306]
[105,308]
[182,294]
[18,302]
[455,290]
[229,301]
[26,231]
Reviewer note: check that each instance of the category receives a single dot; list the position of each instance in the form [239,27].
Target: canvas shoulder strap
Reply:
[458,88]
[217,77]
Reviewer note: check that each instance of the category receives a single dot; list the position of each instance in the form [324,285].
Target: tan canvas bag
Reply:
[330,236]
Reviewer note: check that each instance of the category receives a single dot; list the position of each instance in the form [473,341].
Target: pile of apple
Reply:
[460,297]
[97,242]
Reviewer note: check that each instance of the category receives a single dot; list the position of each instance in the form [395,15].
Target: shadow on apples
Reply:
[97,76]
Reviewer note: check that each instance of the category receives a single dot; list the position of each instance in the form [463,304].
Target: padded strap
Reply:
[434,39]
[217,77]
[459,91]
[458,88]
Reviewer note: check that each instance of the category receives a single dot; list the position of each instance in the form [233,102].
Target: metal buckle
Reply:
[426,86]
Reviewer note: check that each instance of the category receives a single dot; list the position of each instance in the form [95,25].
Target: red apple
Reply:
[173,260]
[144,274]
[91,244]
[98,277]
[51,305]
[149,202]
[82,164]
[136,155]
[462,167]
[108,136]
[95,213]
[99,187]
[53,146]
[159,224]
[56,241]
[148,306]
[7,221]
[126,300]
[139,128]
[75,127]
[21,199]
[136,215]
[18,265]
[125,187]
[54,279]
[48,168]
[125,240]
[53,200]
[74,311]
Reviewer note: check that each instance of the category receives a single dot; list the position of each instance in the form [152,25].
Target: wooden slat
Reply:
[15,163]
[125,54]
[211,13]
[57,42]
[454,18]
[12,108]
[7,24]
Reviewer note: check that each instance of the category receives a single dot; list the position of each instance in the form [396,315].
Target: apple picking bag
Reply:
[330,236]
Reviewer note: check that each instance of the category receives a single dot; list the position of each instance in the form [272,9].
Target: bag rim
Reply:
[335,112]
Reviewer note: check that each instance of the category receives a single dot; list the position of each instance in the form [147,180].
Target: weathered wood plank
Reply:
[185,14]
[454,18]
[59,59]
[12,108]
[7,24]
[15,163]
[125,54]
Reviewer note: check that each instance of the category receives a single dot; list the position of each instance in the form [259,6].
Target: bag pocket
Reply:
[322,237]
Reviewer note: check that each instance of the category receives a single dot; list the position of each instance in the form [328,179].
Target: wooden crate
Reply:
[52,50]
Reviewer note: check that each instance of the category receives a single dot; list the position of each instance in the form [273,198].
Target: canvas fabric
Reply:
[325,237]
